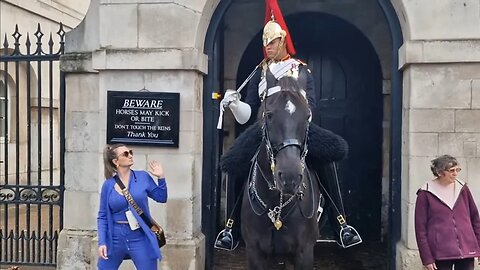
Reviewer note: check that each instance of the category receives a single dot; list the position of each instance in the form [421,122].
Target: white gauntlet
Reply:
[241,110]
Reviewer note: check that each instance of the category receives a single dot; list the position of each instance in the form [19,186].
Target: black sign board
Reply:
[143,118]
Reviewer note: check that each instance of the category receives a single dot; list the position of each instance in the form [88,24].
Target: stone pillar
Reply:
[129,46]
[441,101]
[441,112]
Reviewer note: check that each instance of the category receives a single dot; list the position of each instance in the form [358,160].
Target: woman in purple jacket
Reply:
[447,223]
[122,233]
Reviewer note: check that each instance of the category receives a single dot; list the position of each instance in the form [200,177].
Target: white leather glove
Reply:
[241,110]
[229,97]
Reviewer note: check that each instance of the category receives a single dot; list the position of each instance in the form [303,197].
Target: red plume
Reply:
[272,8]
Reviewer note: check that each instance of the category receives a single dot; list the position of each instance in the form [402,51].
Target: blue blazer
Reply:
[141,186]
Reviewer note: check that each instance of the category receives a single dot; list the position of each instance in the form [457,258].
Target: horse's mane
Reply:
[289,83]
[292,85]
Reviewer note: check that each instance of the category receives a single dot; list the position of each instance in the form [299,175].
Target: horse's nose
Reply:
[289,181]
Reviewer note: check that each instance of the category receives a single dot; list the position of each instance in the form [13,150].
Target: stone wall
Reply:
[440,63]
[129,46]
[27,14]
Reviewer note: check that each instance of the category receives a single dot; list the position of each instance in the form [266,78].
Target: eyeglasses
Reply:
[454,169]
[126,153]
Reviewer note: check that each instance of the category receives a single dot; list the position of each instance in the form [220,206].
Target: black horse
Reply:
[279,208]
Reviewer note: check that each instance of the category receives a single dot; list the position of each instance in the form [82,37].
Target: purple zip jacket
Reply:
[444,233]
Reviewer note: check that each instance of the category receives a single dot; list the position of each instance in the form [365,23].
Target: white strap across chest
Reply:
[278,69]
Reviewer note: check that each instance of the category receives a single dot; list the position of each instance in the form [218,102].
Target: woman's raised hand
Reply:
[156,169]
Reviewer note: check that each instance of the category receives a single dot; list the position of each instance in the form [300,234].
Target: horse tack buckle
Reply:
[272,167]
[229,223]
[274,215]
[341,219]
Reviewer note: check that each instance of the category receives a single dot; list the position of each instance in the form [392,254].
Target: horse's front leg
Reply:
[256,260]
[304,258]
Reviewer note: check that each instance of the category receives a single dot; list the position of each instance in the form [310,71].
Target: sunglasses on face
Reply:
[452,170]
[126,153]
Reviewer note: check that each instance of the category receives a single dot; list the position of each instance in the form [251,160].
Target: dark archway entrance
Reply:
[329,111]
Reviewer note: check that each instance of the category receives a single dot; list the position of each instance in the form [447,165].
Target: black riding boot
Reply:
[347,235]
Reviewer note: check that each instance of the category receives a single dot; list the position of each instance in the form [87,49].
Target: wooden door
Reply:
[349,97]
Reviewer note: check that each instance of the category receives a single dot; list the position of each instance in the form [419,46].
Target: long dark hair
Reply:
[109,154]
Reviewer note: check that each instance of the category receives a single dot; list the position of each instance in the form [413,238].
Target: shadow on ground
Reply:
[366,256]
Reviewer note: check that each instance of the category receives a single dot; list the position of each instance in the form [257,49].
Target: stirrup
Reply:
[355,238]
[225,240]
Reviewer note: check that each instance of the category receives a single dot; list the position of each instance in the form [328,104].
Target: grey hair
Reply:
[109,154]
[442,163]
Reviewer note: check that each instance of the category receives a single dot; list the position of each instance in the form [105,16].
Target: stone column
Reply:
[440,59]
[441,112]
[129,46]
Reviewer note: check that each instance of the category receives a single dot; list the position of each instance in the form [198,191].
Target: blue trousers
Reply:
[130,243]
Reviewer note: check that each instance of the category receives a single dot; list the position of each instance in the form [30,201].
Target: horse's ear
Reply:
[271,80]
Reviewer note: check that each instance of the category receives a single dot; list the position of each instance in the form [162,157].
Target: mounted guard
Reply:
[324,147]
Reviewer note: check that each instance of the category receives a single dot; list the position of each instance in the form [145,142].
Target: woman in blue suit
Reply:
[122,233]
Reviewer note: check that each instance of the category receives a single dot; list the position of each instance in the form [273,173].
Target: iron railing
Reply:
[32,148]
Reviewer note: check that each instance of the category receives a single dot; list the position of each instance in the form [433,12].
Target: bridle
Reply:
[275,213]
[273,150]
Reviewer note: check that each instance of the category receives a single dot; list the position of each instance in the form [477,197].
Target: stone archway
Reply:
[211,139]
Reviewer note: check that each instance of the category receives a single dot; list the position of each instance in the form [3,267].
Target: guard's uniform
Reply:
[287,67]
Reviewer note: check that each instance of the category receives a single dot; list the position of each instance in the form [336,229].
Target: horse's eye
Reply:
[268,115]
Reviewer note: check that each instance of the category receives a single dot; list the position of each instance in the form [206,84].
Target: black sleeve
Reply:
[311,96]
[251,96]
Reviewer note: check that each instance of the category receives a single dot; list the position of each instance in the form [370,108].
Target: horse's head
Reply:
[286,116]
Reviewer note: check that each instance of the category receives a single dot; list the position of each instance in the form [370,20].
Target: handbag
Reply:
[154,226]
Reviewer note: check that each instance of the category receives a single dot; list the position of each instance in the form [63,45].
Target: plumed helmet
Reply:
[271,31]
[275,26]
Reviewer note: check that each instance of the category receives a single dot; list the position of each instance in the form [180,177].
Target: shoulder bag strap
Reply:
[130,200]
